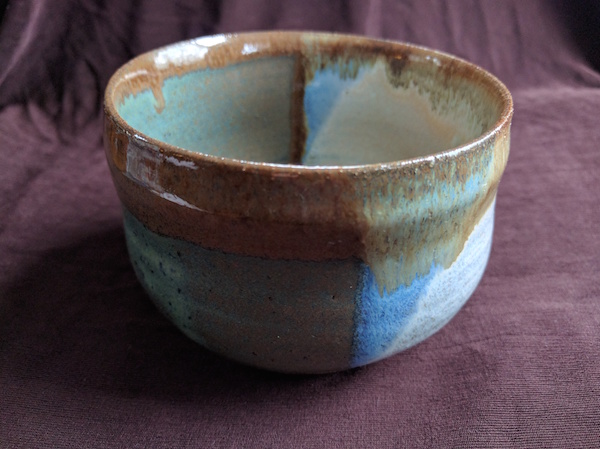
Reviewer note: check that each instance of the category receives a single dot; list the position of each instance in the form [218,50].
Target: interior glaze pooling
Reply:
[319,108]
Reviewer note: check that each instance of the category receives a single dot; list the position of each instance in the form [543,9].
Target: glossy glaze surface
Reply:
[307,202]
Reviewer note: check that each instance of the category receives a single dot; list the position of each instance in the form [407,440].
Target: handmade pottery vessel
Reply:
[306,202]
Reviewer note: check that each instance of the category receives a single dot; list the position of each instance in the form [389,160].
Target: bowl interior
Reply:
[314,101]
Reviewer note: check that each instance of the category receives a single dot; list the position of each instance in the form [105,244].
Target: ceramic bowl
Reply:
[306,202]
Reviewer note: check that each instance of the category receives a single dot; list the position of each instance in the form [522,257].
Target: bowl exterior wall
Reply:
[306,296]
[309,269]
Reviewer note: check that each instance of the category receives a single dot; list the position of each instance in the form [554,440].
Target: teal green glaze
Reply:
[239,111]
[255,310]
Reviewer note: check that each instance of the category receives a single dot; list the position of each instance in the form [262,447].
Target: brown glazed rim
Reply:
[290,42]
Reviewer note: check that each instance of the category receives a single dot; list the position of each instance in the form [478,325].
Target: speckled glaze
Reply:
[306,202]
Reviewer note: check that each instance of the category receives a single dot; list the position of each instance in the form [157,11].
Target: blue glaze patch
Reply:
[321,95]
[380,318]
[385,325]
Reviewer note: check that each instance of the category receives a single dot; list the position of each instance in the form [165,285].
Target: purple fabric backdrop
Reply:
[87,361]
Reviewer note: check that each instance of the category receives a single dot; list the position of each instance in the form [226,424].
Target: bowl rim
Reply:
[289,169]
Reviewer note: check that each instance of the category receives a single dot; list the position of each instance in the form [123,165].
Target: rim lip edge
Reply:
[498,89]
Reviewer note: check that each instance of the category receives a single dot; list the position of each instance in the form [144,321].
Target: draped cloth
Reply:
[87,361]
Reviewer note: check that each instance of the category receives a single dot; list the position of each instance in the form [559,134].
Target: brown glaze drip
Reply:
[141,73]
[395,68]
[399,246]
[299,125]
[142,79]
[325,53]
